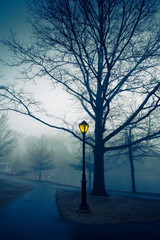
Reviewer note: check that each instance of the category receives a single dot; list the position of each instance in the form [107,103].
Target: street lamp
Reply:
[83,206]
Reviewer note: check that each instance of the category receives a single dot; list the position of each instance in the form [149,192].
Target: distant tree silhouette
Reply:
[103,53]
[139,151]
[136,152]
[8,137]
[41,158]
[89,165]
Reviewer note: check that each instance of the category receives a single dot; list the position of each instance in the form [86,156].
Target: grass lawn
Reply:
[10,190]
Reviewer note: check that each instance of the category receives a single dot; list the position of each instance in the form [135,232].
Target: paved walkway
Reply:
[34,216]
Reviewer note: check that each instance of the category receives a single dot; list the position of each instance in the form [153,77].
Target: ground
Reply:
[113,209]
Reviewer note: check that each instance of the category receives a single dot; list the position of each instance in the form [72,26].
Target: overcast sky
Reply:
[12,15]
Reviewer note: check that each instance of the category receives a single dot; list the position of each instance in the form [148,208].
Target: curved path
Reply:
[34,216]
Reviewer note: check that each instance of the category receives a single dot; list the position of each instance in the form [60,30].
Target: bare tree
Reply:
[41,158]
[141,150]
[8,137]
[103,53]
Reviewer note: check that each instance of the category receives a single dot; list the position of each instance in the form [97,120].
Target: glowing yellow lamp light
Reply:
[83,127]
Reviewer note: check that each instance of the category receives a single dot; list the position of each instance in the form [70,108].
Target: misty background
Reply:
[67,152]
[67,169]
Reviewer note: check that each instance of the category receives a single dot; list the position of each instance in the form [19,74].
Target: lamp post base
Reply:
[83,210]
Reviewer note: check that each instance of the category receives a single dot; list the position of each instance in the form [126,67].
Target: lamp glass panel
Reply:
[83,127]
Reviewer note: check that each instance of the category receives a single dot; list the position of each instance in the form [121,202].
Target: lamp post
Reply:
[83,206]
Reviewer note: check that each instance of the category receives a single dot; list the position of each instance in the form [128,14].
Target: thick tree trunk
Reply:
[98,181]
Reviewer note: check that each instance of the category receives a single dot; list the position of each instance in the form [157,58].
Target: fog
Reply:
[68,165]
[68,152]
